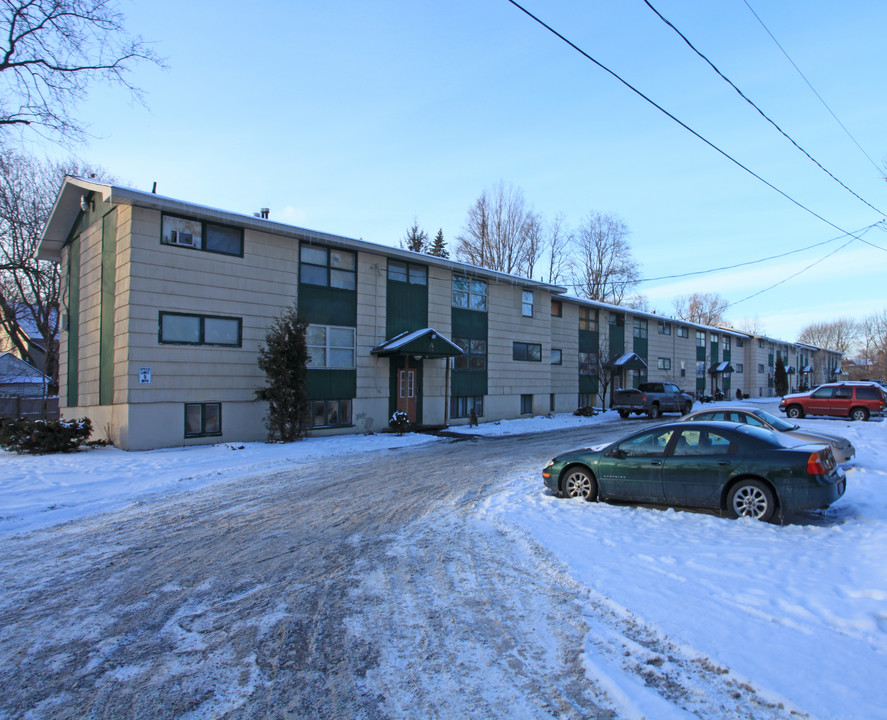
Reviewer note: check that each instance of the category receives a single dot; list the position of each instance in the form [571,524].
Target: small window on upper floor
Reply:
[526,303]
[469,293]
[198,235]
[327,267]
[557,308]
[407,273]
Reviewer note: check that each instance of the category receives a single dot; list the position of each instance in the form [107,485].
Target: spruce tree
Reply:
[284,360]
[438,248]
[780,377]
[415,239]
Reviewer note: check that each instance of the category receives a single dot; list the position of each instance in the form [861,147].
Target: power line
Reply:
[761,112]
[680,122]
[813,89]
[860,232]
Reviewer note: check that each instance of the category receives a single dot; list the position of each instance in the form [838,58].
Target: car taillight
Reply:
[820,463]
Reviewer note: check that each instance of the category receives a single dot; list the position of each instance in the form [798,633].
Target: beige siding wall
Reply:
[565,377]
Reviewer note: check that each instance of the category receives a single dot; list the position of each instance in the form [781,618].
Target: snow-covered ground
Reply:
[800,611]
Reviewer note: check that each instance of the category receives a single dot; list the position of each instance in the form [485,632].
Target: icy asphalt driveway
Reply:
[372,587]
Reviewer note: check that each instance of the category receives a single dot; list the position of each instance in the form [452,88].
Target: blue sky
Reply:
[357,117]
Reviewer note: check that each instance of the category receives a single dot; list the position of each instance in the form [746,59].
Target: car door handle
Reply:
[656,462]
[723,462]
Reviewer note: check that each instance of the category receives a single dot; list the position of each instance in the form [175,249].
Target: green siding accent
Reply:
[588,384]
[617,341]
[407,308]
[328,306]
[73,321]
[714,353]
[639,346]
[464,382]
[589,341]
[469,324]
[331,384]
[700,353]
[106,334]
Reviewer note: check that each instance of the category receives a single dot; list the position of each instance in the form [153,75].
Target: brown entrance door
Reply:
[406,390]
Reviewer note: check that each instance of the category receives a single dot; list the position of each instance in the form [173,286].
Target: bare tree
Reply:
[873,342]
[752,326]
[29,288]
[604,268]
[702,308]
[500,232]
[560,238]
[51,50]
[840,334]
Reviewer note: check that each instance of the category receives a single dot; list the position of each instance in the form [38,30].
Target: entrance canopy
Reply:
[629,361]
[807,369]
[424,343]
[721,367]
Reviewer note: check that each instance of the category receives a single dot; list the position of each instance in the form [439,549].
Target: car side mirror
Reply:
[616,453]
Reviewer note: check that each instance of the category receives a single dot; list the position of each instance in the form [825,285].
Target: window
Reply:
[470,294]
[203,419]
[726,343]
[557,308]
[330,346]
[197,235]
[557,356]
[664,328]
[703,442]
[713,338]
[650,444]
[588,364]
[760,368]
[407,273]
[700,369]
[617,320]
[327,267]
[526,404]
[639,328]
[530,352]
[664,363]
[182,329]
[761,343]
[738,367]
[700,338]
[683,332]
[462,405]
[740,342]
[474,354]
[526,303]
[330,413]
[588,319]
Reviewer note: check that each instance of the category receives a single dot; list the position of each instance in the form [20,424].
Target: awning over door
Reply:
[629,361]
[721,367]
[807,369]
[424,343]
[789,369]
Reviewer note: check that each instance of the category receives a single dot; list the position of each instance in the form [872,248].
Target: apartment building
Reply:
[165,304]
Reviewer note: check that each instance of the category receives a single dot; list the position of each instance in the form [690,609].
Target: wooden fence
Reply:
[30,407]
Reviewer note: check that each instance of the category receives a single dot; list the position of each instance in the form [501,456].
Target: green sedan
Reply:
[740,470]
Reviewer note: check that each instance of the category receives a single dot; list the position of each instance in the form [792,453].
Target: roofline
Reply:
[67,207]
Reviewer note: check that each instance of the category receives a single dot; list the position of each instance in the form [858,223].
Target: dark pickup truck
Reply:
[652,398]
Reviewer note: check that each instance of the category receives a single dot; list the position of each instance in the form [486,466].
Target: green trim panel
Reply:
[469,324]
[640,347]
[589,341]
[468,383]
[407,308]
[700,353]
[324,384]
[617,341]
[588,384]
[328,306]
[106,334]
[73,322]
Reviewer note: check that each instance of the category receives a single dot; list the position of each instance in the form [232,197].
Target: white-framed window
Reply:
[588,364]
[700,338]
[639,328]
[469,293]
[328,413]
[526,303]
[330,346]
[462,405]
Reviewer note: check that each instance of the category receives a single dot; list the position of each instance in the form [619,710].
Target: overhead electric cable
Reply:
[860,232]
[680,122]
[813,89]
[761,112]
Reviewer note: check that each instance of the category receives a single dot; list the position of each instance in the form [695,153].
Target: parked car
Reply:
[739,470]
[652,398]
[856,400]
[841,447]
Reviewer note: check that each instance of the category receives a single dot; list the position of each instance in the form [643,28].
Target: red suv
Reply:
[856,400]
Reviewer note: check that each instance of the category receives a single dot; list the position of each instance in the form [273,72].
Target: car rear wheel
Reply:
[653,412]
[859,413]
[794,411]
[624,414]
[688,408]
[579,482]
[751,498]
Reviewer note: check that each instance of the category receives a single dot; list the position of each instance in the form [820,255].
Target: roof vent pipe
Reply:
[265,212]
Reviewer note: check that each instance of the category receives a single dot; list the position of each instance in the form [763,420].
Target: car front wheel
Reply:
[751,498]
[579,482]
[794,411]
[859,413]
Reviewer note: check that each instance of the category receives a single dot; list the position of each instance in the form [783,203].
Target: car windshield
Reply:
[776,422]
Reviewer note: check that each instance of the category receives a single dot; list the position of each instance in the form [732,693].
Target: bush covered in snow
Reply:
[40,437]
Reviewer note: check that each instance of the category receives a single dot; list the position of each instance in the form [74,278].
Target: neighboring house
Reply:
[34,341]
[19,379]
[165,305]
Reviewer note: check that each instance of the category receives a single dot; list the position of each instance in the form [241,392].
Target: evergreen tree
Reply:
[284,360]
[438,248]
[415,239]
[780,377]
